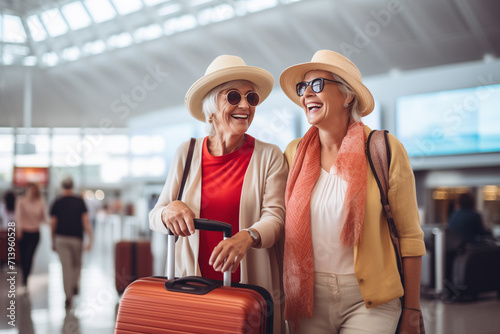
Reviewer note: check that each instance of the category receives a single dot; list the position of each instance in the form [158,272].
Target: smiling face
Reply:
[234,119]
[324,107]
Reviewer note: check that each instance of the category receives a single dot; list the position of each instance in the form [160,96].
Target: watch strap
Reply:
[254,235]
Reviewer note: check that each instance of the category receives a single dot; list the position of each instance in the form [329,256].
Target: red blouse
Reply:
[222,180]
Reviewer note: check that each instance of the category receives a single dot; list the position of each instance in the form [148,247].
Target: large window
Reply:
[88,155]
[32,147]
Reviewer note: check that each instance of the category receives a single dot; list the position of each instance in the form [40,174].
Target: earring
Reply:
[345,105]
[210,119]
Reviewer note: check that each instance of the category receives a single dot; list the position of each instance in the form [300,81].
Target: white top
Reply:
[327,220]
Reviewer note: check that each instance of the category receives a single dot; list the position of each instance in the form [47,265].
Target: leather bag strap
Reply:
[379,157]
[378,152]
[186,168]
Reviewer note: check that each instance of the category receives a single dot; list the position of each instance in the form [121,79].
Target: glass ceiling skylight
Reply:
[71,54]
[148,33]
[215,14]
[179,24]
[127,6]
[37,31]
[50,59]
[169,9]
[53,21]
[13,29]
[195,3]
[153,2]
[94,47]
[76,16]
[167,17]
[120,40]
[101,10]
[258,5]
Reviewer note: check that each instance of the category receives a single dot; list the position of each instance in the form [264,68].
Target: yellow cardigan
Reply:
[374,259]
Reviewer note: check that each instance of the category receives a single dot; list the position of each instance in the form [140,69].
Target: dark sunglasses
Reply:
[233,97]
[316,85]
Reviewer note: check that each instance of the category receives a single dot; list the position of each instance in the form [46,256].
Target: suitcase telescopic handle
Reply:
[199,224]
[211,225]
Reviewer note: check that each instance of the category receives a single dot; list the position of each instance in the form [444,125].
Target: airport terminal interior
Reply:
[94,89]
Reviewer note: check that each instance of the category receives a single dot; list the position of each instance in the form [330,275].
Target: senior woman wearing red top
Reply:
[233,178]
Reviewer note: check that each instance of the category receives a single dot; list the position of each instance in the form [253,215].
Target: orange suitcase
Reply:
[194,304]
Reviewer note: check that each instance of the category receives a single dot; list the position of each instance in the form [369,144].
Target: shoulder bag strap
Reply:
[378,152]
[379,157]
[186,168]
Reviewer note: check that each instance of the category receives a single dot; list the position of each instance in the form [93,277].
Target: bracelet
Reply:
[413,309]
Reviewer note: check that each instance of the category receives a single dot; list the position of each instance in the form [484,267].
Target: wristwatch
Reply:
[254,235]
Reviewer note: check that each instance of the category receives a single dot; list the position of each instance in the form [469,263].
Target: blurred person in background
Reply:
[466,221]
[8,209]
[93,206]
[234,178]
[30,213]
[69,221]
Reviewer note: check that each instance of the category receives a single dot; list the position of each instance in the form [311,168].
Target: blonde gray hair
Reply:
[347,90]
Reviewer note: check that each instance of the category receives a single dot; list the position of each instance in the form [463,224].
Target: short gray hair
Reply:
[209,103]
[347,90]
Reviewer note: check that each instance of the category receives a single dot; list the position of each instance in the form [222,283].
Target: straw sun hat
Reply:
[332,62]
[223,69]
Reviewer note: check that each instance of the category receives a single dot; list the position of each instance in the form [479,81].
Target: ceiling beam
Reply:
[474,24]
[354,25]
[292,25]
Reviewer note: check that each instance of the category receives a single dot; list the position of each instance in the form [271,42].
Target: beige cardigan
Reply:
[374,258]
[262,208]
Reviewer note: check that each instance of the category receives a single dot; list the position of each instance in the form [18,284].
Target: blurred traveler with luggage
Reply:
[69,221]
[466,221]
[340,269]
[31,212]
[233,178]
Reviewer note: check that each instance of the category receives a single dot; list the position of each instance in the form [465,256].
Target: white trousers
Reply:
[339,308]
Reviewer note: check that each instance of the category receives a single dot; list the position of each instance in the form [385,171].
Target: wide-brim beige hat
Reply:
[330,61]
[223,69]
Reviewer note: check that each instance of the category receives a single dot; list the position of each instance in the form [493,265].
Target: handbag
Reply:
[378,152]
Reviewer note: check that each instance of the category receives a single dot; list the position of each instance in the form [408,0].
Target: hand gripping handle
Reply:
[199,224]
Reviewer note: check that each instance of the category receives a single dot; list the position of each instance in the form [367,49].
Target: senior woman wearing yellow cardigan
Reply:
[340,271]
[233,178]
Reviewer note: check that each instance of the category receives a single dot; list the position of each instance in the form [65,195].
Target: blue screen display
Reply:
[461,121]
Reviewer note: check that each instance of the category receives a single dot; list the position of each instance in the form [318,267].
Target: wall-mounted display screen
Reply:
[38,175]
[462,121]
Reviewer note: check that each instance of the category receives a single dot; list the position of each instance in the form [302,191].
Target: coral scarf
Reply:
[298,260]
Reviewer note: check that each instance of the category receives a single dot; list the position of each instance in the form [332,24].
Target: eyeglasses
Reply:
[317,85]
[233,97]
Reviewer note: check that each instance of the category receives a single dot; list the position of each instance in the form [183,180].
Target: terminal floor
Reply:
[42,310]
